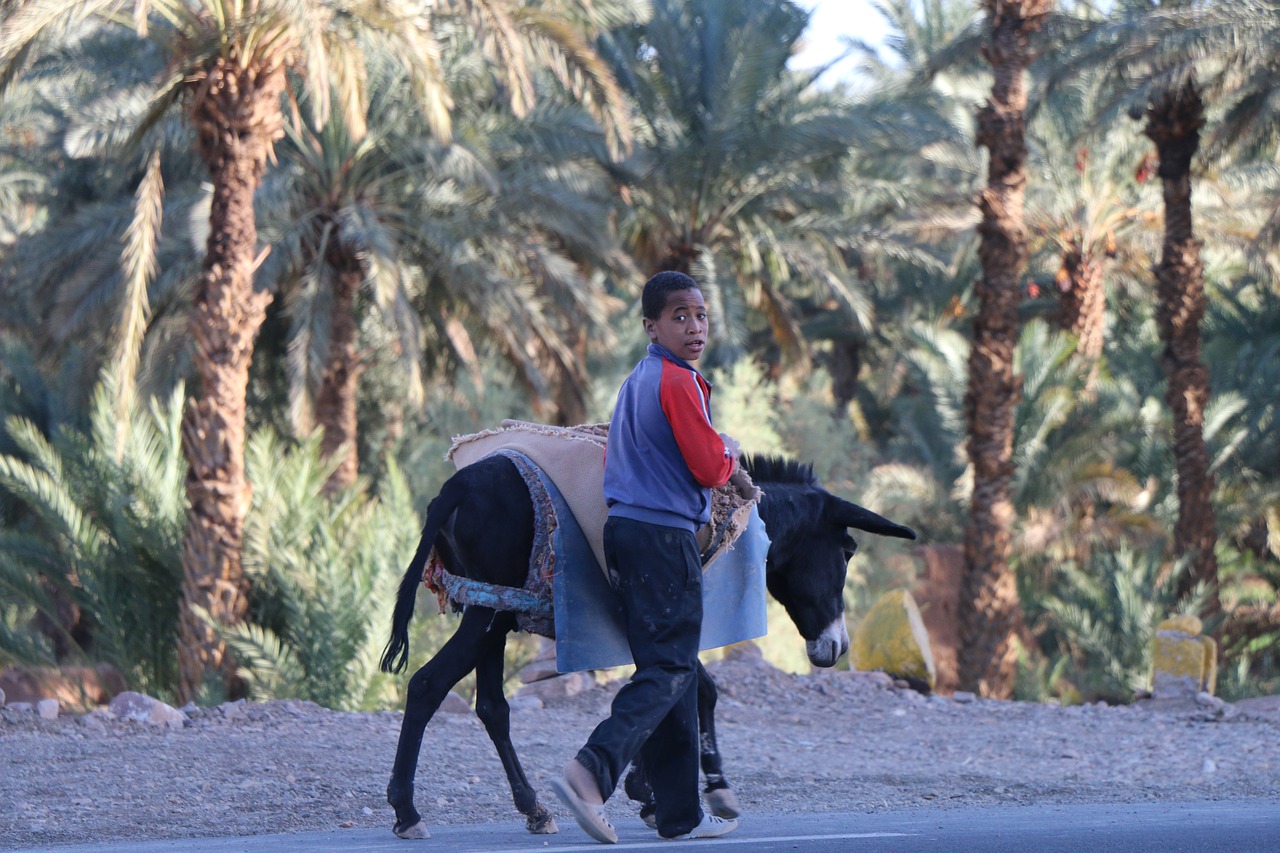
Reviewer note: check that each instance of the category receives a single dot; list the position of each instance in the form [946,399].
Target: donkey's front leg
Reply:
[720,797]
[495,713]
[427,690]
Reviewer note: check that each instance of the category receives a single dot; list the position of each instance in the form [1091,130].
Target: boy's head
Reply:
[658,288]
[675,315]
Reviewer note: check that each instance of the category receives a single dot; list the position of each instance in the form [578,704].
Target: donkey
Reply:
[481,526]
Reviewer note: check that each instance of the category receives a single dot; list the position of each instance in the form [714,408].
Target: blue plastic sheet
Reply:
[590,627]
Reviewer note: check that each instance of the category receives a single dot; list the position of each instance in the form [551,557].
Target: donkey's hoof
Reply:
[724,803]
[413,832]
[546,827]
[541,822]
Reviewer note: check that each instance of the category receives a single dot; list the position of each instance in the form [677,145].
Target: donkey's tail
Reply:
[396,655]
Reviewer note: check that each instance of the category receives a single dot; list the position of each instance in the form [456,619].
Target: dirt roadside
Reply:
[830,741]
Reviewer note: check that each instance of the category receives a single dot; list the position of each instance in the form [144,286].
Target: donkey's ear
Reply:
[859,518]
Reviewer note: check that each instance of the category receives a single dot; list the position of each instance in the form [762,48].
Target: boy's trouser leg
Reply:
[660,583]
[671,757]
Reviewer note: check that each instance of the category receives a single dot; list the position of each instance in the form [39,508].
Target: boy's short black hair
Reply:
[658,288]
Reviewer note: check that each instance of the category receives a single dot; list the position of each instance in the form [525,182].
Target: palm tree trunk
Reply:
[1174,120]
[1082,306]
[336,398]
[1082,300]
[236,114]
[989,613]
[570,396]
[846,364]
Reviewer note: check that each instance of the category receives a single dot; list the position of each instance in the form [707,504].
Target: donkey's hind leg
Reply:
[494,711]
[720,797]
[637,787]
[480,629]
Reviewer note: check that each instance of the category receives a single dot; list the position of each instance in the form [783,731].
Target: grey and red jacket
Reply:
[664,456]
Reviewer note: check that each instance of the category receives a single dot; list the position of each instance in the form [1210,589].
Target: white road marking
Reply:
[772,839]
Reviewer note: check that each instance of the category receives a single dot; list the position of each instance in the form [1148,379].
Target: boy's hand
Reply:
[731,445]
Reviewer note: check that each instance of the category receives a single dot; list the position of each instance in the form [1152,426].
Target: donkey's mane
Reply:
[779,469]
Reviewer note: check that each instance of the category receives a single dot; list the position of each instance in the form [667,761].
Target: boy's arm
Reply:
[709,459]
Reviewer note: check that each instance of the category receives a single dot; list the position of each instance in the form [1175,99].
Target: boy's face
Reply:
[682,327]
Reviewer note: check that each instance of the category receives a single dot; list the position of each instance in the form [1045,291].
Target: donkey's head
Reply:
[810,551]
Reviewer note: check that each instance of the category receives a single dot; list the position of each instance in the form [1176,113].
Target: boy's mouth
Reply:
[696,345]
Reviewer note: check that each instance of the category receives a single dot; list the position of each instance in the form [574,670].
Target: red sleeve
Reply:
[685,403]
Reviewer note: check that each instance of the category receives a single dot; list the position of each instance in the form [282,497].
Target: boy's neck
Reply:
[659,349]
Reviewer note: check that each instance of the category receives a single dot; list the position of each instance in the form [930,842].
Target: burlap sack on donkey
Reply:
[573,458]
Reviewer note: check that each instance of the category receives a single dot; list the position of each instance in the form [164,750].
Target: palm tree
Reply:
[1241,346]
[1174,120]
[1241,43]
[1151,58]
[1086,215]
[1164,63]
[228,64]
[913,175]
[73,114]
[990,614]
[437,230]
[101,534]
[524,272]
[1227,52]
[736,176]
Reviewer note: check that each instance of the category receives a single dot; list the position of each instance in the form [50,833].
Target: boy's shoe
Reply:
[588,815]
[711,827]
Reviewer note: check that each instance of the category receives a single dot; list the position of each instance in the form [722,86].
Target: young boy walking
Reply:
[662,461]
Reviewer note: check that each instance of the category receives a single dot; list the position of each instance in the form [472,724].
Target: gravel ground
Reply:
[831,741]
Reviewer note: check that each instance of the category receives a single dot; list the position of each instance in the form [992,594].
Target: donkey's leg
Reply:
[427,690]
[720,797]
[637,788]
[494,711]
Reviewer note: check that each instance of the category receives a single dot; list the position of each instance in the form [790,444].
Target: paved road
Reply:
[1200,827]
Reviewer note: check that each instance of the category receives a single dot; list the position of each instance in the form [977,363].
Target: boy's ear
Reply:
[650,328]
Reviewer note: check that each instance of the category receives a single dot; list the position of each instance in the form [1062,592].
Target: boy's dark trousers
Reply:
[659,579]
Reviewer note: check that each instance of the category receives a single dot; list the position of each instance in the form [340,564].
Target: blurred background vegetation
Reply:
[426,283]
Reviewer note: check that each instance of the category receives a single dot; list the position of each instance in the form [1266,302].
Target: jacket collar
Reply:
[662,352]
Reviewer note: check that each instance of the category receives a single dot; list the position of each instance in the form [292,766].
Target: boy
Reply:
[663,459]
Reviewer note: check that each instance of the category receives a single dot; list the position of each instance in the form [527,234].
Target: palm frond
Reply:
[139,260]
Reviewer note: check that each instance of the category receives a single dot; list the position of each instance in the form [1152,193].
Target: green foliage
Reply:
[100,535]
[736,176]
[1249,582]
[457,405]
[1251,673]
[745,406]
[1100,621]
[324,574]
